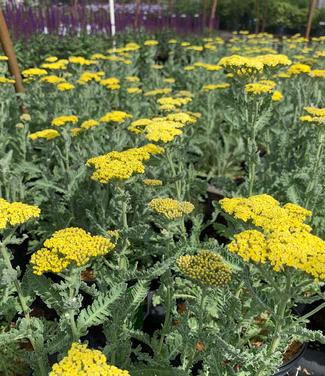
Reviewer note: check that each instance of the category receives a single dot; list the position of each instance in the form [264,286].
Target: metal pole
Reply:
[9,51]
[112,17]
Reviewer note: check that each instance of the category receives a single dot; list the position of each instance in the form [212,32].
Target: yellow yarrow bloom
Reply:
[122,165]
[154,92]
[52,79]
[111,83]
[170,208]
[87,124]
[90,76]
[5,80]
[297,69]
[16,213]
[211,87]
[133,90]
[3,58]
[34,72]
[317,73]
[316,115]
[164,131]
[206,268]
[283,240]
[115,117]
[51,59]
[261,87]
[81,361]
[58,65]
[80,60]
[62,120]
[71,245]
[65,86]
[47,134]
[150,42]
[154,182]
[277,96]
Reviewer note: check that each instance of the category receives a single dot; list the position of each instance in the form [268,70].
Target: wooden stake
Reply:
[9,51]
[312,6]
[137,14]
[213,14]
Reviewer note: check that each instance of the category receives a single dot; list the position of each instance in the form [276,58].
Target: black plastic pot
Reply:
[290,368]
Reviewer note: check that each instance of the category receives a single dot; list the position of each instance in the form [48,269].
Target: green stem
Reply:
[42,367]
[310,191]
[73,292]
[315,310]
[280,314]
[201,320]
[178,183]
[252,150]
[165,327]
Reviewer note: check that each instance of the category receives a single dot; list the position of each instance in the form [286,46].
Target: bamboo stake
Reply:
[9,51]
[213,14]
[312,6]
[112,19]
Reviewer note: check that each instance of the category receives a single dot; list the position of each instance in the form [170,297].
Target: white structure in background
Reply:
[321,4]
[112,17]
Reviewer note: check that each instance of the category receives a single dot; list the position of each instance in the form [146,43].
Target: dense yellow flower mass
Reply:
[81,361]
[52,79]
[79,60]
[284,239]
[62,120]
[211,87]
[154,92]
[316,115]
[170,103]
[87,124]
[277,96]
[317,73]
[47,134]
[115,117]
[121,165]
[68,246]
[170,208]
[261,87]
[248,64]
[164,131]
[111,83]
[31,72]
[297,69]
[90,76]
[154,182]
[207,268]
[5,80]
[16,213]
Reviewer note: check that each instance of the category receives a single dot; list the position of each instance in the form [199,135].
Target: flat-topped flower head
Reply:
[121,165]
[316,115]
[261,87]
[265,212]
[281,237]
[206,268]
[81,361]
[153,182]
[62,120]
[297,69]
[115,117]
[47,134]
[32,72]
[170,208]
[16,213]
[71,245]
[87,124]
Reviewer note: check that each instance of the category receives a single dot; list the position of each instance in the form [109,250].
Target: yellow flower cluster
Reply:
[31,72]
[90,76]
[47,134]
[277,96]
[122,165]
[52,79]
[62,120]
[316,115]
[87,124]
[317,73]
[154,92]
[150,42]
[79,60]
[111,83]
[57,65]
[65,86]
[261,87]
[170,103]
[68,246]
[284,239]
[297,69]
[251,64]
[133,90]
[16,213]
[206,268]
[211,87]
[154,182]
[170,208]
[165,128]
[81,361]
[115,117]
[208,67]
[5,80]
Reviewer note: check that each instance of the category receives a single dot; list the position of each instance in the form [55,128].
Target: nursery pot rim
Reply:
[286,366]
